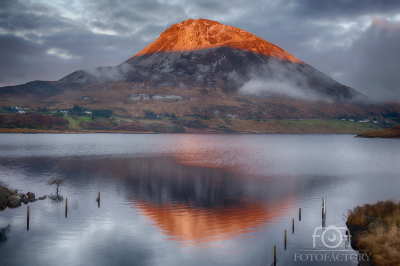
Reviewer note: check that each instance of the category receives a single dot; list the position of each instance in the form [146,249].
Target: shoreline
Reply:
[37,131]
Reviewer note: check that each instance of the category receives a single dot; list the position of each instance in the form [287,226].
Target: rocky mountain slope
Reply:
[207,53]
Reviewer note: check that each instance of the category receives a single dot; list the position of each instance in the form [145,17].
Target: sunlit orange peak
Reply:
[191,35]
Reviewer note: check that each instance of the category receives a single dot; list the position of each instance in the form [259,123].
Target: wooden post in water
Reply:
[27,219]
[299,214]
[285,239]
[66,207]
[293,226]
[323,212]
[274,255]
[98,200]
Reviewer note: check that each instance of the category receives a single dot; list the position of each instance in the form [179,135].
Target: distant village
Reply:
[21,110]
[367,121]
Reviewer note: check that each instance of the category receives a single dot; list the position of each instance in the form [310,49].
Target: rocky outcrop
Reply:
[12,199]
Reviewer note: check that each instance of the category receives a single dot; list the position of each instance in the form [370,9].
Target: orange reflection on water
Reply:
[195,226]
[192,151]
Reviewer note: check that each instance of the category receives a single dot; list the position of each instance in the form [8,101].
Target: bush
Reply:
[31,120]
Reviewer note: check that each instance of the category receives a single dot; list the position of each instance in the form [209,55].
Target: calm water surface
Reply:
[187,199]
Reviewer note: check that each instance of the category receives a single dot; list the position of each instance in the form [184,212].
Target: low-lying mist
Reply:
[291,80]
[290,88]
[111,73]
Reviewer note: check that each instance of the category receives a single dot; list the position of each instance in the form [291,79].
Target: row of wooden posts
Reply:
[323,225]
[66,210]
[98,200]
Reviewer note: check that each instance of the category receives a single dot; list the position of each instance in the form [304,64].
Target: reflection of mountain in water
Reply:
[185,202]
[161,181]
[198,204]
[186,223]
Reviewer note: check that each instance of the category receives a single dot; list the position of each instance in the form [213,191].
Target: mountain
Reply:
[203,68]
[208,53]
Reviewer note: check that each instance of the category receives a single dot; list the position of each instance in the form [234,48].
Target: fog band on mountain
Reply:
[289,88]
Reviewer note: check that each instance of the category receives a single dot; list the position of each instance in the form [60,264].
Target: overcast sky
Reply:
[356,42]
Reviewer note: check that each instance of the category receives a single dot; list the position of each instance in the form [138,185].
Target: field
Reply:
[172,123]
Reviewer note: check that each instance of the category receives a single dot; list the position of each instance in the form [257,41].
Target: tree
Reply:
[76,109]
[149,114]
[56,181]
[102,113]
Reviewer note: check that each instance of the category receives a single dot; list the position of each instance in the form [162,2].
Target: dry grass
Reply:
[382,239]
[383,210]
[383,242]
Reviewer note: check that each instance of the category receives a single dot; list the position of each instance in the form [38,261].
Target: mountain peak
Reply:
[192,35]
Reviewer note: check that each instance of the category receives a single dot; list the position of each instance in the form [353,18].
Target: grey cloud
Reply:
[137,13]
[378,71]
[26,57]
[116,27]
[214,5]
[347,55]
[334,8]
[128,15]
[15,52]
[17,17]
[150,33]
[13,45]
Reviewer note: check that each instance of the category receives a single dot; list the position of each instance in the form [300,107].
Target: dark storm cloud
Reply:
[40,41]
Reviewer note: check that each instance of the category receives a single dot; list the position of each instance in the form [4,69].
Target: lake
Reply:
[190,199]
